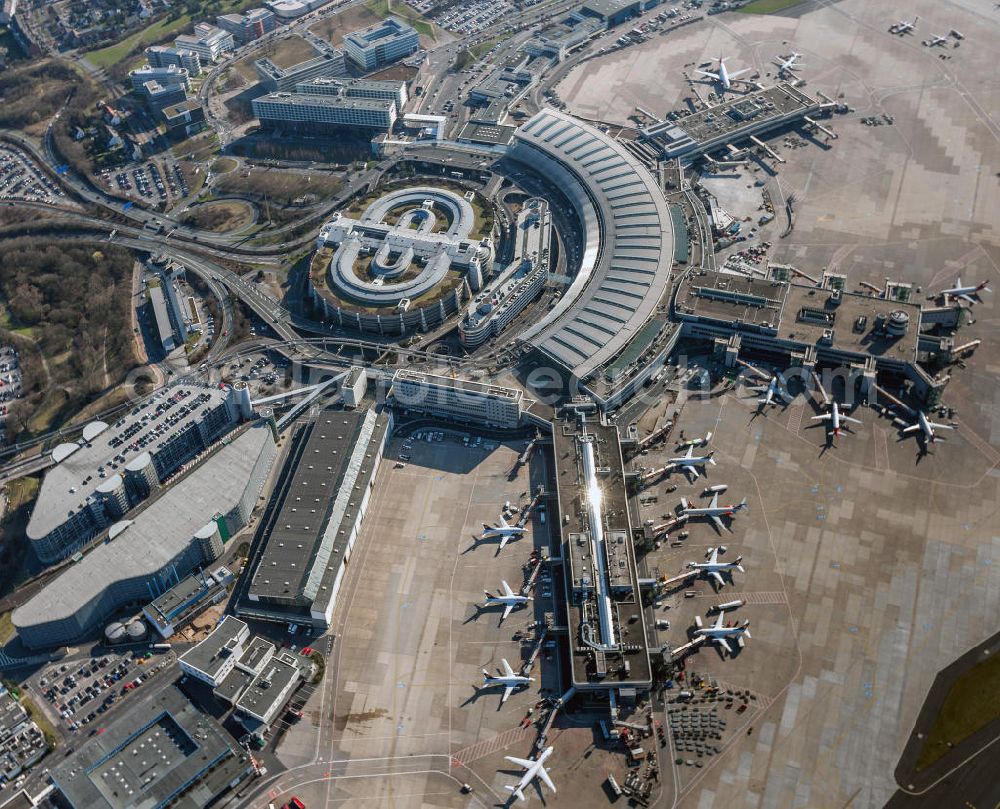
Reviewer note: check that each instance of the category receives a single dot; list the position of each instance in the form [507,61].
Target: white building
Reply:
[208,41]
[169,76]
[212,659]
[458,399]
[381,44]
[317,113]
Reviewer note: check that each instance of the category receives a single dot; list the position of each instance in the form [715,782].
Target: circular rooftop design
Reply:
[406,262]
[139,462]
[63,451]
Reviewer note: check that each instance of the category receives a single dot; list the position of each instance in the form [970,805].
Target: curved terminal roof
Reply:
[628,240]
[93,429]
[63,451]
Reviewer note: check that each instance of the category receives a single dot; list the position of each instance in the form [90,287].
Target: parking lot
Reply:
[79,693]
[151,181]
[10,381]
[21,178]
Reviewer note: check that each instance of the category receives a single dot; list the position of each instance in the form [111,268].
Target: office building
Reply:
[158,97]
[213,658]
[507,295]
[268,692]
[182,602]
[169,76]
[324,114]
[316,517]
[274,79]
[208,41]
[457,399]
[162,751]
[292,9]
[182,530]
[161,317]
[381,44]
[184,119]
[163,56]
[356,88]
[248,26]
[114,467]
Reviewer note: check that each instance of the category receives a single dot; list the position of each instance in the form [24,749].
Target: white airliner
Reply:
[713,510]
[689,463]
[723,76]
[713,567]
[903,27]
[507,598]
[835,417]
[773,388]
[969,294]
[926,427]
[788,64]
[533,769]
[723,635]
[696,442]
[935,40]
[503,531]
[509,680]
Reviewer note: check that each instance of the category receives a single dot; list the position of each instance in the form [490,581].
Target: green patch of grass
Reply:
[472,55]
[397,8]
[6,628]
[768,6]
[972,703]
[39,718]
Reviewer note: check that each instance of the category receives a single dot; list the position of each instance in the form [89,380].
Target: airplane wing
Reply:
[718,621]
[692,473]
[935,426]
[825,417]
[503,522]
[715,500]
[911,429]
[720,526]
[736,73]
[714,557]
[507,670]
[520,762]
[718,578]
[690,452]
[545,777]
[852,420]
[507,691]
[504,539]
[968,299]
[506,589]
[506,611]
[709,74]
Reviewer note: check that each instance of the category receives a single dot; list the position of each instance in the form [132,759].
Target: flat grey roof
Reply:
[181,593]
[233,686]
[629,241]
[388,29]
[268,687]
[255,651]
[159,534]
[161,315]
[338,101]
[160,751]
[221,644]
[68,484]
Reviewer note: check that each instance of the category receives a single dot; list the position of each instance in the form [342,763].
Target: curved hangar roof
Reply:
[628,234]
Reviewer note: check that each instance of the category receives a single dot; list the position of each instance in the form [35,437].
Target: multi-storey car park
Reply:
[182,529]
[407,263]
[196,760]
[113,467]
[304,544]
[507,295]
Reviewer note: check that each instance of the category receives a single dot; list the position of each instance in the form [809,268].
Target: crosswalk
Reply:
[489,746]
[795,418]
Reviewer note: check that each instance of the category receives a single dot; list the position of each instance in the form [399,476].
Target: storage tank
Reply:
[136,631]
[115,632]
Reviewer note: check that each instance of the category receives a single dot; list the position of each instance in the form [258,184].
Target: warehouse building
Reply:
[196,760]
[457,399]
[114,467]
[305,542]
[179,531]
[614,12]
[381,44]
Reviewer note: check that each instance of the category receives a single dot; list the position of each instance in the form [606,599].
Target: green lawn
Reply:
[157,32]
[768,6]
[972,703]
[385,8]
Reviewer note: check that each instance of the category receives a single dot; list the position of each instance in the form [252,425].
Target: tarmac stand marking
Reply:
[484,748]
[985,448]
[795,419]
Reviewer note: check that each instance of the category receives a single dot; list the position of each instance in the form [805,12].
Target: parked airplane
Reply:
[689,463]
[926,427]
[902,27]
[788,64]
[502,531]
[713,510]
[935,40]
[507,598]
[533,769]
[509,680]
[713,567]
[721,635]
[969,294]
[835,417]
[695,442]
[773,388]
[722,75]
